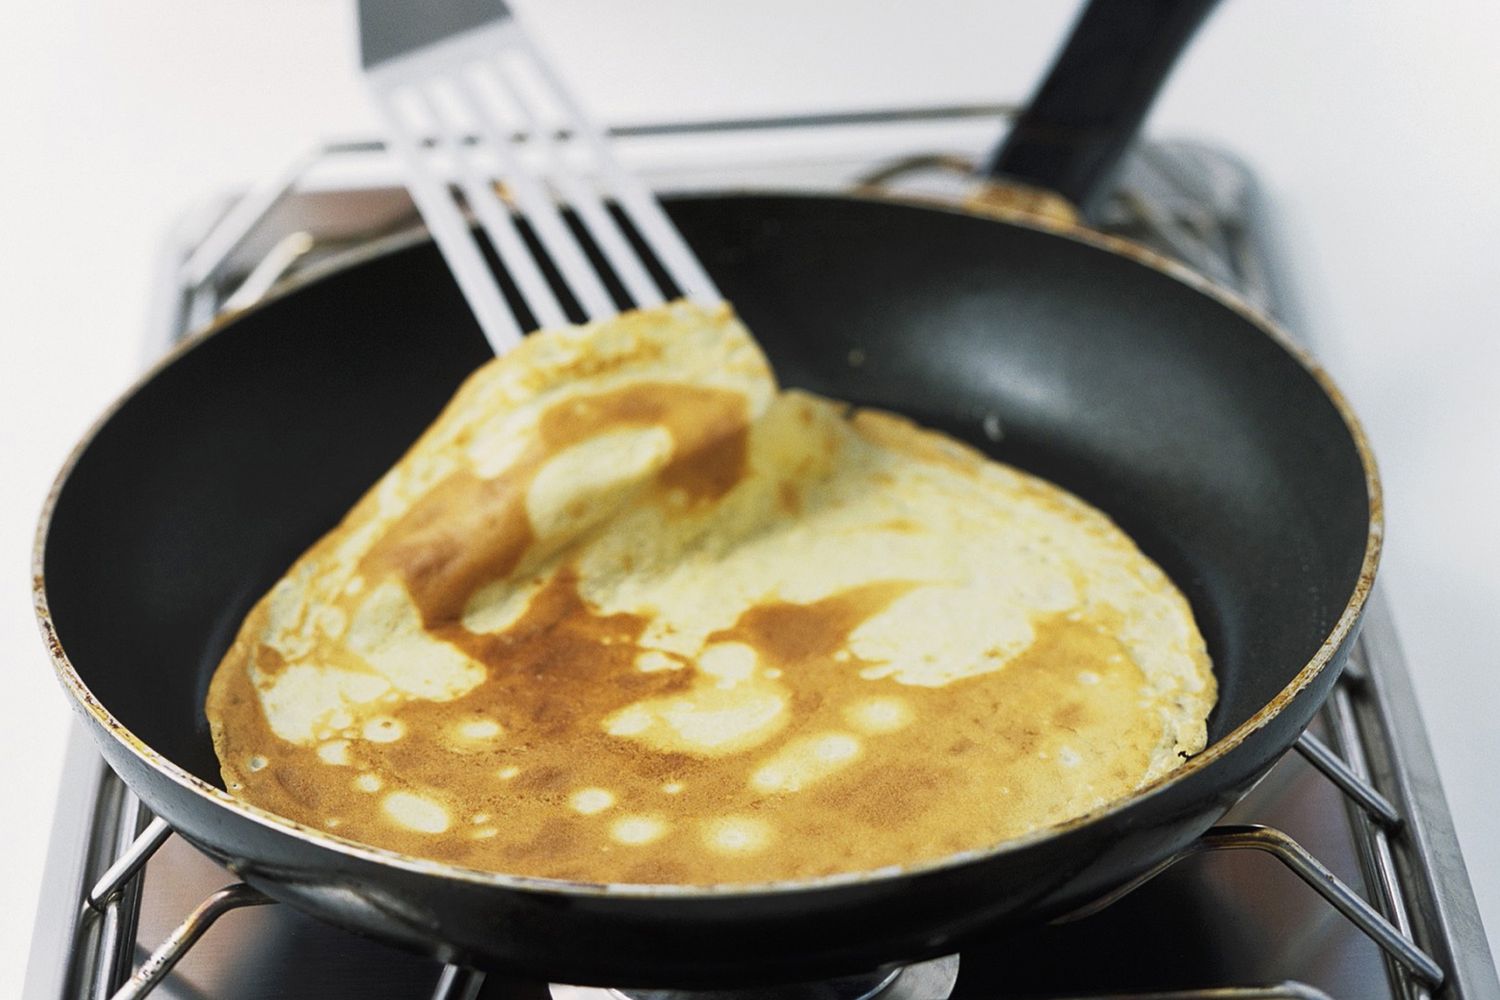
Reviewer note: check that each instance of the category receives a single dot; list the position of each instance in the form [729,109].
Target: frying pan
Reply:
[1129,380]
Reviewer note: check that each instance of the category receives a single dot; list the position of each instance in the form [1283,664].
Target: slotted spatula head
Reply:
[470,106]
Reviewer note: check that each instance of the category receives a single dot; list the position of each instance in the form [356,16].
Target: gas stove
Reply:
[1364,893]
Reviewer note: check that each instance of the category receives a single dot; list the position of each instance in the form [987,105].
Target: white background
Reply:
[1373,124]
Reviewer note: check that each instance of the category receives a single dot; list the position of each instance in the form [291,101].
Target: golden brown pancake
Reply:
[626,613]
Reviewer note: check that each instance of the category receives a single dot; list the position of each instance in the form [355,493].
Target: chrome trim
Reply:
[458,983]
[1426,859]
[85,829]
[155,968]
[1350,782]
[1309,869]
[128,863]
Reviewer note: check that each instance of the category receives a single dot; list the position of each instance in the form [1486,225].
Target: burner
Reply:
[932,980]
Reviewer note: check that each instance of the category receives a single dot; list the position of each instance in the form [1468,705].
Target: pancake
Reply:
[626,612]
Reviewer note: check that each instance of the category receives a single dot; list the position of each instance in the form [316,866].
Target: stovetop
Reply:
[1356,814]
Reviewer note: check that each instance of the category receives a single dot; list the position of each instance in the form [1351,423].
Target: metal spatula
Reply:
[470,104]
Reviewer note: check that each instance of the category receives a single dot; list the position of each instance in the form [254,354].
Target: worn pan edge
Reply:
[88,704]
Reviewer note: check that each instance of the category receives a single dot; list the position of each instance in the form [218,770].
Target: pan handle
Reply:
[1070,138]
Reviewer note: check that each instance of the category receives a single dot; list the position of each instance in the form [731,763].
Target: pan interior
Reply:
[1195,431]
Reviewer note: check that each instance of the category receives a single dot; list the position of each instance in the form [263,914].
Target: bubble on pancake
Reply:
[835,748]
[879,714]
[637,831]
[673,788]
[728,708]
[256,762]
[737,835]
[474,733]
[383,729]
[508,773]
[805,761]
[368,782]
[480,729]
[334,752]
[589,801]
[412,811]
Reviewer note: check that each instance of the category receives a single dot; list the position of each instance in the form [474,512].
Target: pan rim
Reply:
[85,701]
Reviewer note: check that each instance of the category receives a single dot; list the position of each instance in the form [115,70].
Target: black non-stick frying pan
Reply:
[1129,381]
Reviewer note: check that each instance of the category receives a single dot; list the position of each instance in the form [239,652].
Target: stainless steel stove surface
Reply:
[1258,908]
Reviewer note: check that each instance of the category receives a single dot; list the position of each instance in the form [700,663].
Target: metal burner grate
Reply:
[1183,200]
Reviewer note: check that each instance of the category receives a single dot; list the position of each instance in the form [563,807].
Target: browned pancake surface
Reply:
[625,614]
